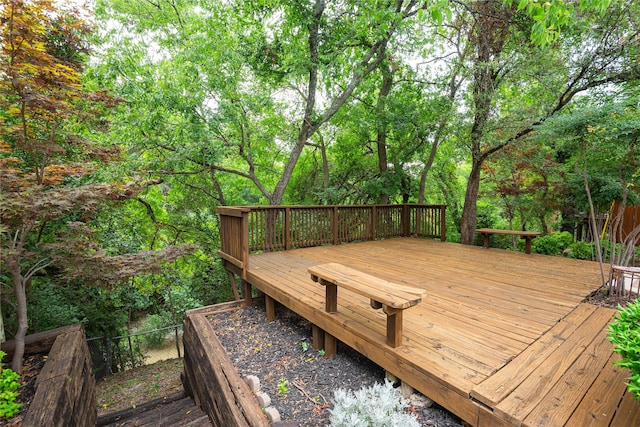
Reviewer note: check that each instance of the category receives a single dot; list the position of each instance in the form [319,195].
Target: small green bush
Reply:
[579,250]
[552,244]
[376,406]
[8,395]
[157,321]
[624,333]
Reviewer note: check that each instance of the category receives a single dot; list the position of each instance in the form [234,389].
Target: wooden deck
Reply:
[502,338]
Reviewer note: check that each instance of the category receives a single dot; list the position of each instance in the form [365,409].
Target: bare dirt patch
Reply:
[131,388]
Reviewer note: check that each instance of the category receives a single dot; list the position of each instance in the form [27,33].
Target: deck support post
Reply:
[394,326]
[270,308]
[317,337]
[330,345]
[247,291]
[234,285]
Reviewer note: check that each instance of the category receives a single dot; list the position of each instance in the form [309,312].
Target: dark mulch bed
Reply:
[299,380]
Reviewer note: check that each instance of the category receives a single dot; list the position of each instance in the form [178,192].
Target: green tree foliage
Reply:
[244,103]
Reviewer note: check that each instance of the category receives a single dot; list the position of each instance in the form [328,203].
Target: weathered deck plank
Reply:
[495,327]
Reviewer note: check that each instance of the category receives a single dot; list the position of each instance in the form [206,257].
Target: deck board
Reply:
[502,338]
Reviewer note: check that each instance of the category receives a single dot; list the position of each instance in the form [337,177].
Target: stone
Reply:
[420,401]
[272,415]
[263,399]
[406,390]
[253,382]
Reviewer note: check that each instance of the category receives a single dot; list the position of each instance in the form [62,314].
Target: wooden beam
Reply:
[40,342]
[317,337]
[247,291]
[394,326]
[234,286]
[270,308]
[330,345]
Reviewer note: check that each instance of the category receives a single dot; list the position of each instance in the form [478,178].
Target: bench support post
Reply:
[527,245]
[486,240]
[331,299]
[394,326]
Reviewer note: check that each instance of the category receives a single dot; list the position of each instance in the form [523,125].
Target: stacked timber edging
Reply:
[210,376]
[66,388]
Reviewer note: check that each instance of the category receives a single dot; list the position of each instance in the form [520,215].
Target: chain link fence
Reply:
[115,354]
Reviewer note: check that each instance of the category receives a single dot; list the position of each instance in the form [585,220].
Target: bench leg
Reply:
[270,308]
[394,326]
[486,240]
[317,337]
[527,245]
[330,345]
[331,305]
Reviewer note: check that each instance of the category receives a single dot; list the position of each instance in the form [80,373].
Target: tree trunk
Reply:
[468,225]
[21,314]
[488,35]
[381,126]
[310,125]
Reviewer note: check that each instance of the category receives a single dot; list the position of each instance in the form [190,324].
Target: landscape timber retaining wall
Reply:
[211,378]
[66,388]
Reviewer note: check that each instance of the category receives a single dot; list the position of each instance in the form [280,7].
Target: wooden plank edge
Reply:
[233,260]
[247,407]
[215,308]
[493,390]
[39,342]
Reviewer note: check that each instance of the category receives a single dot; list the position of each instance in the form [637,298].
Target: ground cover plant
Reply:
[379,405]
[8,386]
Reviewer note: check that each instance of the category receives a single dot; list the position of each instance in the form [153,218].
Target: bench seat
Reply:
[393,298]
[527,235]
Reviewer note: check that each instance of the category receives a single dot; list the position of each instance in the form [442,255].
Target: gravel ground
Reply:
[297,378]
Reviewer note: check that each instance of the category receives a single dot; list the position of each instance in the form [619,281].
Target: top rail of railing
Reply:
[247,229]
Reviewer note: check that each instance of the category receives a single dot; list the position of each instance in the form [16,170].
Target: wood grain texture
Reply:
[65,388]
[494,323]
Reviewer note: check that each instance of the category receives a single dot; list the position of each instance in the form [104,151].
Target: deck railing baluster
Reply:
[269,228]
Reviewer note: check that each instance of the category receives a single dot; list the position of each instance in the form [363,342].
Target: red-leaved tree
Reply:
[44,165]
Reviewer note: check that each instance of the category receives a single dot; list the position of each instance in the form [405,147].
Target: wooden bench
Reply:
[527,235]
[391,297]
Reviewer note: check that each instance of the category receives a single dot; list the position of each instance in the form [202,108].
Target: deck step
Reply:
[175,410]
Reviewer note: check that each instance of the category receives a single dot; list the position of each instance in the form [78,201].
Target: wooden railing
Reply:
[246,229]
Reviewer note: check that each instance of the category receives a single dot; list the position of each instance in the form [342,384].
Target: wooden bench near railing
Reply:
[527,235]
[391,297]
[248,229]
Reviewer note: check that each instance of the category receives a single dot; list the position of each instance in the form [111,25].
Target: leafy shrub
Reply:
[552,244]
[157,321]
[8,386]
[50,307]
[579,250]
[182,301]
[624,333]
[376,406]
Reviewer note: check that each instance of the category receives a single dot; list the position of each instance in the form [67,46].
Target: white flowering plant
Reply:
[377,406]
